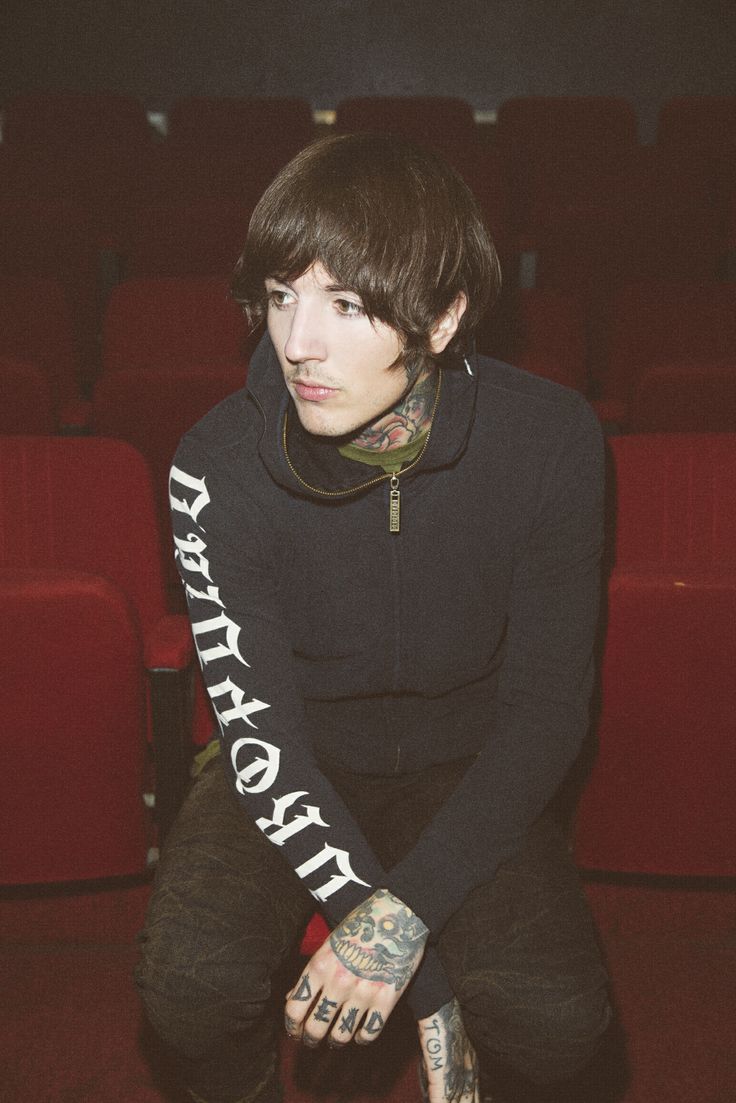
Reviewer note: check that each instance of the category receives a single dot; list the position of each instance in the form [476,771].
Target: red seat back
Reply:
[660,797]
[650,323]
[73,712]
[172,322]
[26,405]
[693,396]
[84,504]
[36,326]
[675,500]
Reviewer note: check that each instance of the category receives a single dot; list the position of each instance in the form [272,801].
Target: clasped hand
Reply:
[353,982]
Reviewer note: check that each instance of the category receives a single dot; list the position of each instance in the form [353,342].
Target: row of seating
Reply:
[654,356]
[95,669]
[544,156]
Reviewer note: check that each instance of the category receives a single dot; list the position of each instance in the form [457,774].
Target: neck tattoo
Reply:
[408,420]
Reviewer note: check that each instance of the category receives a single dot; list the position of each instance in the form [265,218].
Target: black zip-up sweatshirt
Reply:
[323,636]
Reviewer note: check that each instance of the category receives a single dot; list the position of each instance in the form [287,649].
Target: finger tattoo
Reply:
[323,1014]
[374,1024]
[347,1022]
[304,992]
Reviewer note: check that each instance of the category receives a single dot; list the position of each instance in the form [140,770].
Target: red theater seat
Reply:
[542,332]
[659,321]
[175,322]
[691,396]
[26,404]
[128,405]
[36,326]
[195,238]
[659,799]
[445,123]
[540,136]
[87,505]
[74,714]
[675,505]
[229,147]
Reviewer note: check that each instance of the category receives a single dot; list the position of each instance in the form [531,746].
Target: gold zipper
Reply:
[394,505]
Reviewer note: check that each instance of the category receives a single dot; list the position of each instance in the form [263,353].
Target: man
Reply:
[390,549]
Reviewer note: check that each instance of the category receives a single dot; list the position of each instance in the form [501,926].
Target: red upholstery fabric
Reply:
[544,333]
[195,238]
[686,396]
[172,322]
[697,124]
[655,322]
[638,218]
[85,504]
[128,405]
[89,147]
[229,146]
[675,500]
[77,120]
[36,325]
[660,796]
[537,136]
[74,718]
[57,239]
[444,122]
[26,405]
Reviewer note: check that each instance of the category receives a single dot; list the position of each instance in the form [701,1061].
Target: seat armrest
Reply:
[169,655]
[169,644]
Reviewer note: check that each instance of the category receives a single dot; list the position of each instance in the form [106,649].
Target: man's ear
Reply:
[446,325]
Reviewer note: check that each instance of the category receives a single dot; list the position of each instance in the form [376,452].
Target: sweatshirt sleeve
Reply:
[246,659]
[546,679]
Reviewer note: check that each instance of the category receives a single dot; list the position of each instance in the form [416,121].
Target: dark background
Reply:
[481,50]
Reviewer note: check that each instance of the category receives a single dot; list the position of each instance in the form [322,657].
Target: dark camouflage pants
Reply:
[227,913]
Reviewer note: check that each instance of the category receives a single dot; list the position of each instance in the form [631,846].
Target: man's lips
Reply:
[313,392]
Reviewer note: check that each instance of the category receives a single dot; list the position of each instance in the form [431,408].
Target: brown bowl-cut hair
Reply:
[389,221]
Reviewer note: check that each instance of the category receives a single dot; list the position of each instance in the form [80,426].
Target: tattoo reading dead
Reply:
[304,992]
[385,948]
[347,1022]
[374,1024]
[324,1011]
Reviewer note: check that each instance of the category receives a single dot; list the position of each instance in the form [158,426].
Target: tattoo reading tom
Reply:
[445,1043]
[387,948]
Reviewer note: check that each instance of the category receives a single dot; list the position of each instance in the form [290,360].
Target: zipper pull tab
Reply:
[394,505]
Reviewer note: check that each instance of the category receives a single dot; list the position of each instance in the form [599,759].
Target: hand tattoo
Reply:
[380,948]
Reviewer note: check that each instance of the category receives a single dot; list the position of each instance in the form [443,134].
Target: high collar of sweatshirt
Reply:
[318,460]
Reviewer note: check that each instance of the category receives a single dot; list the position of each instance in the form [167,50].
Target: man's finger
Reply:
[345,1026]
[371,1027]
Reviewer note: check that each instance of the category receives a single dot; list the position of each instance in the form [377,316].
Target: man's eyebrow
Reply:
[279,279]
[336,287]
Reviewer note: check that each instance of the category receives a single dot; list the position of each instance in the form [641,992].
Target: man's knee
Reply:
[547,1035]
[193,993]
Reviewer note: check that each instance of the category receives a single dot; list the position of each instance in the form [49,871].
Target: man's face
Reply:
[338,365]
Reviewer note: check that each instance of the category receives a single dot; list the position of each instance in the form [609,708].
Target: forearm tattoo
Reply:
[383,948]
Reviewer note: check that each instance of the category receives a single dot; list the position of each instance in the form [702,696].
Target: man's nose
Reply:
[305,341]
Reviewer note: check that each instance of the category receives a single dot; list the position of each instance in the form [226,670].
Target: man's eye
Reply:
[348,307]
[279,299]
